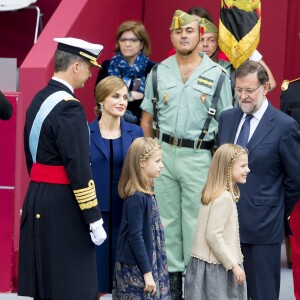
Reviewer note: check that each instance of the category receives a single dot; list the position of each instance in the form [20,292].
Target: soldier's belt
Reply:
[198,144]
[49,174]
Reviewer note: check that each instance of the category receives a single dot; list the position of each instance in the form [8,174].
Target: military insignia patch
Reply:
[203,98]
[166,98]
[68,99]
[205,82]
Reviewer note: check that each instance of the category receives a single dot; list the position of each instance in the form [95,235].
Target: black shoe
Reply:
[175,285]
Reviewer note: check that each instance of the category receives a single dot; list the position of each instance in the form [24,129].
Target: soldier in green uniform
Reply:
[186,84]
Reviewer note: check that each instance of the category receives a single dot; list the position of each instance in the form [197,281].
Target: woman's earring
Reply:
[101,106]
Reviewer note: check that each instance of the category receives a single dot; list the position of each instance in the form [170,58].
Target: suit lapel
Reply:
[126,136]
[263,128]
[96,137]
[235,125]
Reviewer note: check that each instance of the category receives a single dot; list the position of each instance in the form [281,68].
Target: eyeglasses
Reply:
[247,91]
[130,41]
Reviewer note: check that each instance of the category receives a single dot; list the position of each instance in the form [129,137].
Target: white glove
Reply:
[98,234]
[255,56]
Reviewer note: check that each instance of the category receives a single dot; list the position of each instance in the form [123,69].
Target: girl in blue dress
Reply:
[141,265]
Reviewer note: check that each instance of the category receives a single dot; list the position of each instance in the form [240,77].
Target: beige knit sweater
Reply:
[217,233]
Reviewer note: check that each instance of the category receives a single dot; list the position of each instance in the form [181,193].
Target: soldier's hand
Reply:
[98,234]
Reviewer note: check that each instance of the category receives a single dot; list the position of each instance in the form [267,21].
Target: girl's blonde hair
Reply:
[220,173]
[107,86]
[131,178]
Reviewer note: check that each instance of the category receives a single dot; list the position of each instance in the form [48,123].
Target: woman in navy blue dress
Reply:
[110,138]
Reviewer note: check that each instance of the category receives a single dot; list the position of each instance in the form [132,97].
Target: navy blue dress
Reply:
[129,280]
[112,218]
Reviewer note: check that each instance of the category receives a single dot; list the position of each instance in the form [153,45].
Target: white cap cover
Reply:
[81,48]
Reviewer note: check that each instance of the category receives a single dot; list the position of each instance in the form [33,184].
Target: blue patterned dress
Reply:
[129,281]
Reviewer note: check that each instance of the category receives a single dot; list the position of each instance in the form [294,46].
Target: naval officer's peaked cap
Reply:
[81,48]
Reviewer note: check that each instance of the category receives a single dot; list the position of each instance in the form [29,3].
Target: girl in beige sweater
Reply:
[215,271]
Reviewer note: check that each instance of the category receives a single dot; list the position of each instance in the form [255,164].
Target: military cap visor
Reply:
[81,48]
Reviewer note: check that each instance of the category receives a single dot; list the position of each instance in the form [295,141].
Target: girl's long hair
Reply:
[220,173]
[131,178]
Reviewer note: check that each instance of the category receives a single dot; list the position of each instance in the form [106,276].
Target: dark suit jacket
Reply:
[273,185]
[100,160]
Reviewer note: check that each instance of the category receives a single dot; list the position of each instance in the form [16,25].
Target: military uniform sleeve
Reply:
[72,136]
[225,99]
[148,95]
[283,102]
[290,158]
[27,150]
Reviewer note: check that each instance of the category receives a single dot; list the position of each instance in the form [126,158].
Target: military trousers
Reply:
[295,241]
[178,191]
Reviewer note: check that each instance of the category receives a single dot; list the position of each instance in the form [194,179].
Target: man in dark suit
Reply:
[273,185]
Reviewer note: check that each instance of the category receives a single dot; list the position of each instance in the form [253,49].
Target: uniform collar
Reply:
[67,84]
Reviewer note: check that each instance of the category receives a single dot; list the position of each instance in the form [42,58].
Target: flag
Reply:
[239,29]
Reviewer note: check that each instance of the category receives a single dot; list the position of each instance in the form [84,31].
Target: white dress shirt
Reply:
[254,121]
[64,82]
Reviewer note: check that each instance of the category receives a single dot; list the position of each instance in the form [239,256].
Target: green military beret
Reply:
[207,27]
[181,18]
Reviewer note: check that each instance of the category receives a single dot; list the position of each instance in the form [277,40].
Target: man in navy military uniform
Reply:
[57,256]
[290,104]
[290,98]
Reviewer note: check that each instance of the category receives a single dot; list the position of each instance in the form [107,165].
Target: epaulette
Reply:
[285,83]
[71,98]
[222,68]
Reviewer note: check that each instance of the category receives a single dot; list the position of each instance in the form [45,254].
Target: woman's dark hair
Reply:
[200,12]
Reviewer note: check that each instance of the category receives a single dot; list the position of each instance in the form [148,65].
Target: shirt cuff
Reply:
[96,224]
[255,56]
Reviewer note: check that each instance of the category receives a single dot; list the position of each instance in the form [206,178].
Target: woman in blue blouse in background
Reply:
[110,137]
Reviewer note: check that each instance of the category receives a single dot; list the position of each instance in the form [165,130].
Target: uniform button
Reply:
[38,216]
